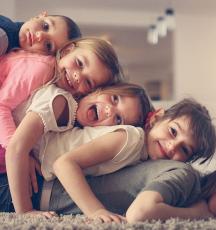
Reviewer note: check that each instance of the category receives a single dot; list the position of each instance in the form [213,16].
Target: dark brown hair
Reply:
[203,130]
[73,29]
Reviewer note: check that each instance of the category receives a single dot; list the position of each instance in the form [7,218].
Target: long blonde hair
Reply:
[102,49]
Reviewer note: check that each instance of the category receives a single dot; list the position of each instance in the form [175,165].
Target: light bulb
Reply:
[161,26]
[152,34]
[170,19]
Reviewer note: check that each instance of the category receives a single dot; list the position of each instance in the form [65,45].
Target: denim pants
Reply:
[6,204]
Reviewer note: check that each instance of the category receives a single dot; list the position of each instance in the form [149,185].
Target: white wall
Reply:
[195,57]
[8,8]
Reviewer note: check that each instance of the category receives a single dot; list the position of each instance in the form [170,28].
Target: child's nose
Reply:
[108,110]
[76,77]
[171,148]
[39,36]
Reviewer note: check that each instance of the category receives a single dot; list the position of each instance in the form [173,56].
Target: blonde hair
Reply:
[130,90]
[102,49]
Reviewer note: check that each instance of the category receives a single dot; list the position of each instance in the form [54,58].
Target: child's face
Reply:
[170,139]
[43,34]
[105,109]
[81,71]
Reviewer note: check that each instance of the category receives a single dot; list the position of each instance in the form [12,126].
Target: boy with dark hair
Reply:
[183,132]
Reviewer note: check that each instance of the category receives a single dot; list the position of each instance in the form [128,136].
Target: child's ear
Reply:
[159,113]
[67,49]
[155,116]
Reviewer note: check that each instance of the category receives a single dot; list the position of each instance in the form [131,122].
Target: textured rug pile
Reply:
[15,222]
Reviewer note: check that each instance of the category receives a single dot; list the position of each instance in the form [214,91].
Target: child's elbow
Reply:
[12,152]
[60,163]
[57,165]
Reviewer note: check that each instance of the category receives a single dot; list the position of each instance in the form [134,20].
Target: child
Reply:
[189,123]
[96,156]
[184,132]
[110,107]
[42,34]
[83,65]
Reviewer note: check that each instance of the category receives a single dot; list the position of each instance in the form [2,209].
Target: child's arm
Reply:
[68,168]
[150,205]
[17,155]
[17,160]
[23,75]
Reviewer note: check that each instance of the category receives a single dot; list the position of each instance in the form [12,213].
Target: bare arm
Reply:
[17,160]
[17,157]
[150,205]
[68,168]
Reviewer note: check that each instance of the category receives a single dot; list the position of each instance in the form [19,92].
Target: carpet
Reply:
[80,222]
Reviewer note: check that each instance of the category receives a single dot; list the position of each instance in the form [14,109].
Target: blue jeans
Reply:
[6,204]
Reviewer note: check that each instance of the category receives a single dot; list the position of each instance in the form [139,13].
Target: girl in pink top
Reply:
[82,65]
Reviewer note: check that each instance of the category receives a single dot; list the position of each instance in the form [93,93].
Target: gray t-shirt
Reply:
[177,182]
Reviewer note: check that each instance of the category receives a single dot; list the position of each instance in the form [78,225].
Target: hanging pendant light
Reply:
[152,34]
[170,19]
[161,26]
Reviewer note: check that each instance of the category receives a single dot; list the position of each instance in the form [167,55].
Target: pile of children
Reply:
[65,110]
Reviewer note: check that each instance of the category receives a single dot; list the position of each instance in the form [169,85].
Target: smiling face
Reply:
[171,139]
[105,109]
[81,71]
[43,34]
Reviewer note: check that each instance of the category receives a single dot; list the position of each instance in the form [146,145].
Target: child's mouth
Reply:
[68,80]
[163,153]
[29,38]
[92,113]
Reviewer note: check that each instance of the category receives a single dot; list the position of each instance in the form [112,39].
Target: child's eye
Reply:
[48,46]
[173,131]
[115,99]
[79,63]
[185,150]
[89,84]
[118,120]
[45,26]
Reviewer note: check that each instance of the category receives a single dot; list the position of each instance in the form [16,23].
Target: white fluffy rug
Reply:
[79,222]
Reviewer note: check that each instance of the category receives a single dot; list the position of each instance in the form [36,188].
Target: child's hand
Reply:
[47,214]
[107,216]
[33,167]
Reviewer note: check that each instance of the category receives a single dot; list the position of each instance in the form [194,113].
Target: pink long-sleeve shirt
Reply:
[21,72]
